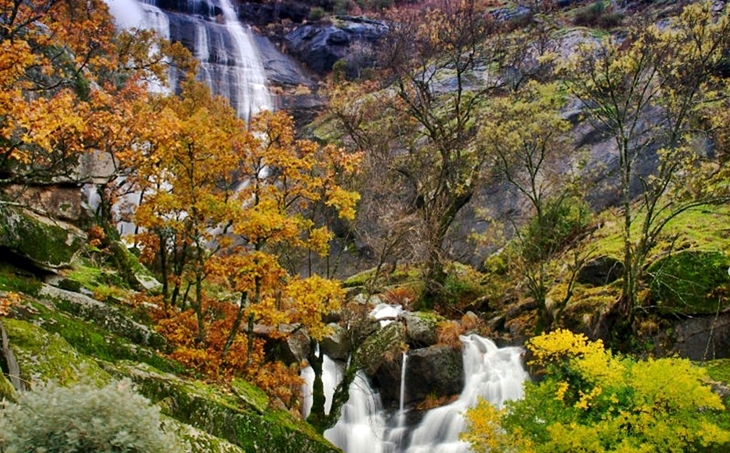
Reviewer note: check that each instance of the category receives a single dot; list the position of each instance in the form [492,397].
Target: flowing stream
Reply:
[230,62]
[493,373]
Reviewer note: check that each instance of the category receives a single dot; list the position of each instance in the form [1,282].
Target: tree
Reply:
[432,64]
[591,400]
[646,92]
[188,184]
[526,135]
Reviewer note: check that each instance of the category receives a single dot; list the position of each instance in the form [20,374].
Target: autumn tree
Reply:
[63,64]
[646,91]
[589,399]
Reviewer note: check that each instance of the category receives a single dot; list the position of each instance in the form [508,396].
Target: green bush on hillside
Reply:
[690,282]
[82,419]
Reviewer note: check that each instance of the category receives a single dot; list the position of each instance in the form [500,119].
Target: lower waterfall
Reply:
[493,373]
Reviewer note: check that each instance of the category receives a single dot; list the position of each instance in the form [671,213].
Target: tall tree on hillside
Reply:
[646,92]
[528,137]
[439,62]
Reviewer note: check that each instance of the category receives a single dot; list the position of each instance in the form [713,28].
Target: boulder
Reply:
[319,46]
[421,328]
[600,271]
[46,243]
[104,315]
[336,345]
[435,371]
[703,338]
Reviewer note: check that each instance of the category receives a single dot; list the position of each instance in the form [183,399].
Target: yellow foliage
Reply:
[590,400]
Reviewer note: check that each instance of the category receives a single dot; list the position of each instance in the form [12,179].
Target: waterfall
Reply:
[229,58]
[493,373]
[332,374]
[361,425]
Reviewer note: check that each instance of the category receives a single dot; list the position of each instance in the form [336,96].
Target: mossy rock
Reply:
[193,440]
[388,342]
[44,356]
[105,315]
[690,282]
[46,243]
[223,415]
[91,339]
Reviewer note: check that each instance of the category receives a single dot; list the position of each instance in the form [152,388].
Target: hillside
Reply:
[550,176]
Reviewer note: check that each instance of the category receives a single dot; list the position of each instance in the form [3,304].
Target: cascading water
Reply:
[493,373]
[229,58]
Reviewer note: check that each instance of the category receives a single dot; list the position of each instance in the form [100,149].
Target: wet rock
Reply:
[319,46]
[336,345]
[421,329]
[436,371]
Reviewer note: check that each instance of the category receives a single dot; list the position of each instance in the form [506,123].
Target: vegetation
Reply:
[592,400]
[234,218]
[84,418]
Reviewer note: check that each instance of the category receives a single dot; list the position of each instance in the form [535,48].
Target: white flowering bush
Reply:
[83,419]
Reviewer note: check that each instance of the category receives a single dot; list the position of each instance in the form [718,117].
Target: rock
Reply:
[600,271]
[226,416]
[104,315]
[60,201]
[148,282]
[386,342]
[436,371]
[703,337]
[319,46]
[266,13]
[46,243]
[43,356]
[421,328]
[336,345]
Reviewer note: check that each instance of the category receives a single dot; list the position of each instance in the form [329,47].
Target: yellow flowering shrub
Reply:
[593,401]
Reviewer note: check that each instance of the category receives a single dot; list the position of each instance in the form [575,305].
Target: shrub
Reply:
[317,13]
[591,400]
[55,419]
[563,219]
[598,15]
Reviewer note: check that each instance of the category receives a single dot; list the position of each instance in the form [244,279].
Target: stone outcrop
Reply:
[320,46]
[45,243]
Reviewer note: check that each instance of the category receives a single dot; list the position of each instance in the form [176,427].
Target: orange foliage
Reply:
[400,296]
[7,301]
[448,333]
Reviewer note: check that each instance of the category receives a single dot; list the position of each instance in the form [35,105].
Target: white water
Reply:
[230,64]
[386,313]
[493,373]
[332,374]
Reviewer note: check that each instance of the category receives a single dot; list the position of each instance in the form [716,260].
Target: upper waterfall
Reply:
[230,62]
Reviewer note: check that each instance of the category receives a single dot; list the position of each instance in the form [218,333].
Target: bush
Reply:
[562,220]
[591,400]
[597,15]
[317,13]
[83,419]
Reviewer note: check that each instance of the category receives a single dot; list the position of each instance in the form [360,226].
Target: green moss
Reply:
[388,341]
[250,394]
[45,243]
[7,391]
[690,282]
[45,356]
[13,279]
[94,341]
[719,370]
[224,415]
